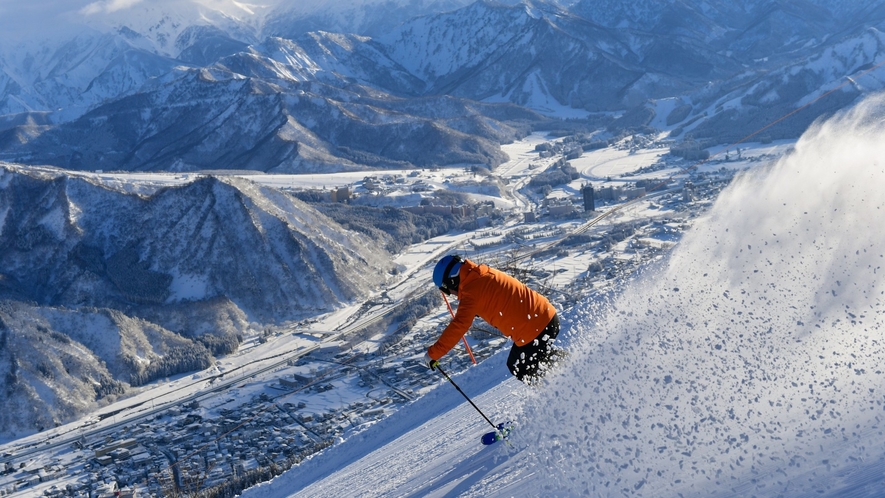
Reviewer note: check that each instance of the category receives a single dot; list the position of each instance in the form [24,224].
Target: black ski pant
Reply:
[525,362]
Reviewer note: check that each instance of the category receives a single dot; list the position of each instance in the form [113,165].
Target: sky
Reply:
[44,17]
[745,363]
[48,18]
[32,17]
[25,17]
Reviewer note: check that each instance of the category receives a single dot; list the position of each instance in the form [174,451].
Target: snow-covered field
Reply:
[748,363]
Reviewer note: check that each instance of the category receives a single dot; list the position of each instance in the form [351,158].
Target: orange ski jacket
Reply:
[520,313]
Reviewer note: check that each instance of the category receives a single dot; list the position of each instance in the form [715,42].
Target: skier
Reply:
[521,314]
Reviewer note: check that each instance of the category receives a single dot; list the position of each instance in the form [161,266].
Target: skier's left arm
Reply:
[455,330]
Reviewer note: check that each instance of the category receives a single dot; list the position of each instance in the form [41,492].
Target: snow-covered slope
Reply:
[816,85]
[748,363]
[59,364]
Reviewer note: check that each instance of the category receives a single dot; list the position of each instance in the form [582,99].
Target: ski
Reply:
[493,437]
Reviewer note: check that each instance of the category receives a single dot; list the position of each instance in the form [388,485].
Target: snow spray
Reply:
[750,361]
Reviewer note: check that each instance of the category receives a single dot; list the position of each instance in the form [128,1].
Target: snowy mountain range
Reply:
[281,121]
[186,86]
[102,287]
[157,87]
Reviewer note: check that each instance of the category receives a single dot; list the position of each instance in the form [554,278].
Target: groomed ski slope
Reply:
[749,362]
[429,448]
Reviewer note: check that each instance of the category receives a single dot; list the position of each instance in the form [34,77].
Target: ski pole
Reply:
[469,351]
[466,397]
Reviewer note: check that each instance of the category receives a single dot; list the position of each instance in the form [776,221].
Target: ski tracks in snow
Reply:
[429,448]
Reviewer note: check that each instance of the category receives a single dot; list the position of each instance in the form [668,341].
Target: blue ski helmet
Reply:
[446,270]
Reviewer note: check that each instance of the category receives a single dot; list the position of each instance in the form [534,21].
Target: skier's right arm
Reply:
[455,330]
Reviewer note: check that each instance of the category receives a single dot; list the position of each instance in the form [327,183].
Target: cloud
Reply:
[107,6]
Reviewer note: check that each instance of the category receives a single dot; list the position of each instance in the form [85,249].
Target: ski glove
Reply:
[430,362]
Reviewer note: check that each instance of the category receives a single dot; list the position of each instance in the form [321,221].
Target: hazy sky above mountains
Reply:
[46,17]
[34,19]
[29,18]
